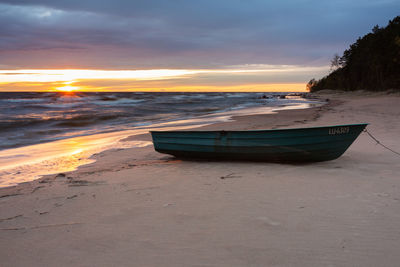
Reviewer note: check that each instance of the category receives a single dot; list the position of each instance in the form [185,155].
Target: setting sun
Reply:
[67,88]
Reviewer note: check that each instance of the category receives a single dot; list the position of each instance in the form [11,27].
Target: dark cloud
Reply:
[182,33]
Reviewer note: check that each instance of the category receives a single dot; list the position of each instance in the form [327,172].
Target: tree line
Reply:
[372,63]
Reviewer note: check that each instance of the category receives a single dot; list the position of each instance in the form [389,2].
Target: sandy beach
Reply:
[136,207]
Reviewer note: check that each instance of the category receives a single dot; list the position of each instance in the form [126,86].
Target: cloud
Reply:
[181,34]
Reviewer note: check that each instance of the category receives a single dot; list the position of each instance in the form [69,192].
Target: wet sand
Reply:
[136,207]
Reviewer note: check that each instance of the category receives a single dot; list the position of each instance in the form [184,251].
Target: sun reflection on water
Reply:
[30,162]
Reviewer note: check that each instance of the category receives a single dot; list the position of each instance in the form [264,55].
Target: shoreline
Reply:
[277,119]
[68,154]
[138,207]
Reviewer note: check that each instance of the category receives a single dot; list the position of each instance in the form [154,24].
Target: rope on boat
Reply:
[379,143]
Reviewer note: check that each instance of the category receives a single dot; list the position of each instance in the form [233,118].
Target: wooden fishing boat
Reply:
[281,145]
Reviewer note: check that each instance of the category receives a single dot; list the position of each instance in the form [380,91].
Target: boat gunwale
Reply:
[262,130]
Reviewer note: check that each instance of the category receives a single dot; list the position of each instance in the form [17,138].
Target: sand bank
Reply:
[136,207]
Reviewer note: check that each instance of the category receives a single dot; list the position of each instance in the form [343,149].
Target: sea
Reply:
[43,132]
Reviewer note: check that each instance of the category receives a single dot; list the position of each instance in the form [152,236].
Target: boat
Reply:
[310,144]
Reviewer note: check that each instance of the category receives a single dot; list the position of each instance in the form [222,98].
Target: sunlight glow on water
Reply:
[30,162]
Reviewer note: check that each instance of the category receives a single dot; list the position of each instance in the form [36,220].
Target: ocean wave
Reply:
[8,125]
[22,100]
[118,102]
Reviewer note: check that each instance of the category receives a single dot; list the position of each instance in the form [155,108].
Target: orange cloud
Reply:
[249,78]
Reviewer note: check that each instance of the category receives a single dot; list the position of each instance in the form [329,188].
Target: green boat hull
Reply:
[282,145]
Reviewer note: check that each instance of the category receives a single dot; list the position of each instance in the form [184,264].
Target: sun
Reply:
[67,88]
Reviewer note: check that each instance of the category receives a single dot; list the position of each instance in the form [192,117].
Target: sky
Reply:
[178,45]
